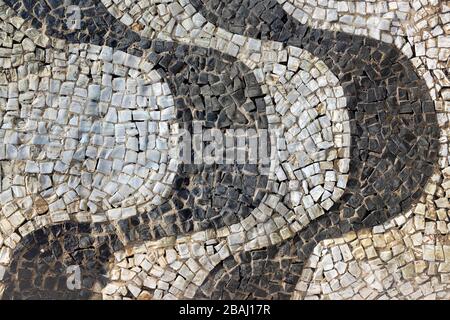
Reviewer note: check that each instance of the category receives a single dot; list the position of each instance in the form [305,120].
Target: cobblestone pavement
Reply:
[346,197]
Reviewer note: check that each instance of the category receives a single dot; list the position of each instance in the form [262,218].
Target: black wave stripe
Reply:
[265,274]
[394,127]
[40,265]
[268,273]
[221,93]
[97,25]
[393,122]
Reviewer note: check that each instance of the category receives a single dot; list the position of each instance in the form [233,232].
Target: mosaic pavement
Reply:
[352,204]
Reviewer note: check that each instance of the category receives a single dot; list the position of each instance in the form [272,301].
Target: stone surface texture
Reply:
[353,201]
